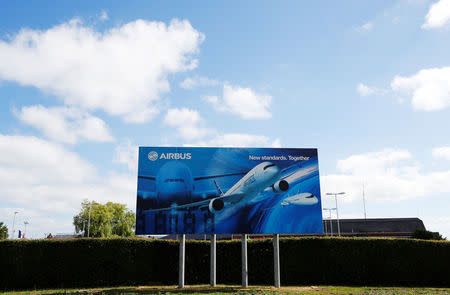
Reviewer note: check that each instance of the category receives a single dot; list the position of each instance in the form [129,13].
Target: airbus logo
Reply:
[176,156]
[153,156]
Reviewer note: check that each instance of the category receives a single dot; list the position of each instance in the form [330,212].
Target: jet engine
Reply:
[215,205]
[280,186]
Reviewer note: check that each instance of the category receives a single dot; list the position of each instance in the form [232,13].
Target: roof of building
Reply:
[376,225]
[393,227]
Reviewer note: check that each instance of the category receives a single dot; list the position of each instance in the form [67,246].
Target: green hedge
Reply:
[103,262]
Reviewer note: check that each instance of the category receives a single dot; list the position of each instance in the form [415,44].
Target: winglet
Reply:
[218,188]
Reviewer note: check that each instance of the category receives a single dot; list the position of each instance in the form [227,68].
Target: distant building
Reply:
[370,227]
[65,236]
[374,227]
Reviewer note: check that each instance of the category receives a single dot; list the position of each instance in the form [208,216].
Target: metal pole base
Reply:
[181,259]
[212,273]
[244,261]
[276,260]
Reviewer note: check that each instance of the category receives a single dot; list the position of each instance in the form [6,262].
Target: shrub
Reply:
[426,235]
[132,261]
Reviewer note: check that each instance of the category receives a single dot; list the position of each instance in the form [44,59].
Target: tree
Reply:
[3,231]
[111,219]
[426,235]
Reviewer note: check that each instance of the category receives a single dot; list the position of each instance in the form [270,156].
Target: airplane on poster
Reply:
[176,190]
[300,199]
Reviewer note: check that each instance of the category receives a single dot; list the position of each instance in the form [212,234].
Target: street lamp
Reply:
[89,221]
[337,212]
[331,223]
[25,232]
[14,221]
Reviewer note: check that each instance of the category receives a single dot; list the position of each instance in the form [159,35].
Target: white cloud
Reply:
[238,140]
[243,102]
[45,179]
[365,27]
[127,153]
[187,123]
[212,99]
[197,81]
[103,16]
[64,124]
[365,90]
[438,15]
[442,152]
[122,71]
[430,88]
[390,174]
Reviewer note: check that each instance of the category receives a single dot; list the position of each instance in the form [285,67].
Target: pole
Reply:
[14,221]
[276,259]
[212,273]
[181,257]
[244,261]
[331,223]
[325,225]
[364,202]
[25,232]
[337,216]
[337,212]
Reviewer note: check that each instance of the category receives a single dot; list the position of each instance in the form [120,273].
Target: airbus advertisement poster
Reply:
[184,190]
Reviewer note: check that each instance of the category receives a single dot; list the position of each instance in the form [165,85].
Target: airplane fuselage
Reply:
[256,180]
[300,199]
[174,184]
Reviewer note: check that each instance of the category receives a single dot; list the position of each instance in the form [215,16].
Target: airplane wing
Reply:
[147,177]
[220,175]
[199,178]
[230,199]
[300,173]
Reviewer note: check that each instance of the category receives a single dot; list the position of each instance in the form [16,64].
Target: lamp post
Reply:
[337,212]
[14,221]
[89,221]
[25,231]
[331,223]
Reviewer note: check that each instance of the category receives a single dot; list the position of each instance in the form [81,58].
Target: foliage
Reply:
[304,261]
[426,235]
[3,231]
[111,219]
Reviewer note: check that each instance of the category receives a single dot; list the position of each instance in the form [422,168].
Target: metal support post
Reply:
[14,221]
[337,212]
[244,261]
[276,259]
[337,216]
[181,259]
[331,225]
[212,274]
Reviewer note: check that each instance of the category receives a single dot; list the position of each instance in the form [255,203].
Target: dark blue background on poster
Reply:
[262,214]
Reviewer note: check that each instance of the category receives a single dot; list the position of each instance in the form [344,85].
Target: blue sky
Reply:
[83,84]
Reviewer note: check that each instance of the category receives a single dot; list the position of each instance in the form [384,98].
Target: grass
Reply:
[227,289]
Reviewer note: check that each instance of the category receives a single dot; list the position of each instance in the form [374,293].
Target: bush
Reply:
[133,261]
[426,235]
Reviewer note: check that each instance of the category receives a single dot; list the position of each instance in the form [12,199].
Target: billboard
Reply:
[191,190]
